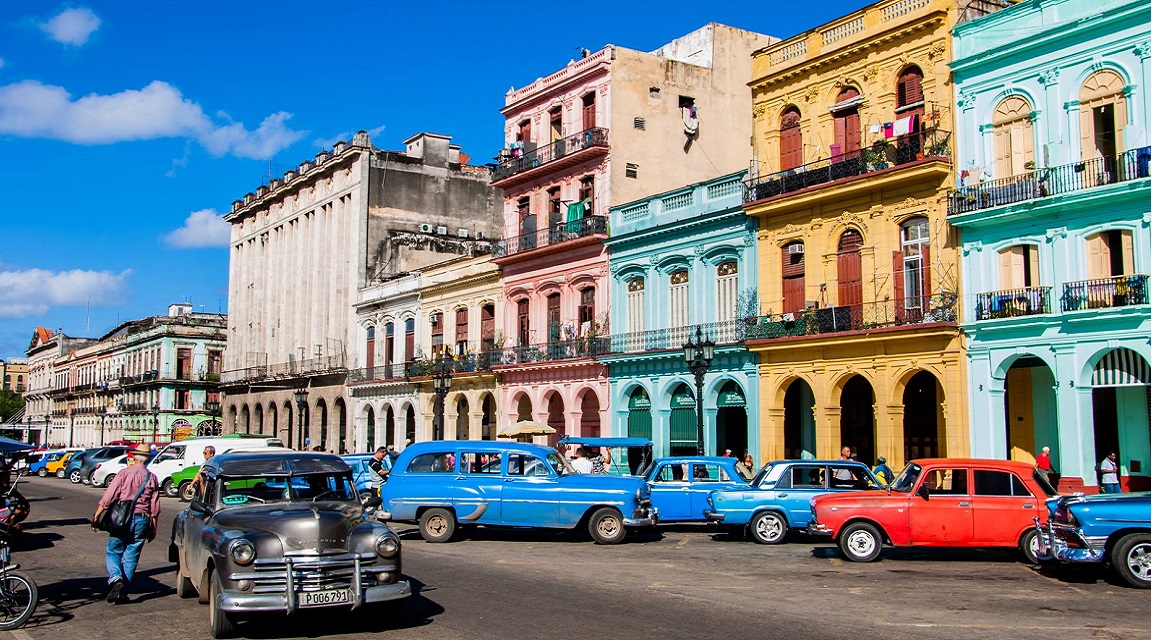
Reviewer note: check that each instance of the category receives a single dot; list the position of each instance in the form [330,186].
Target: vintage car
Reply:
[939,502]
[680,485]
[362,473]
[779,498]
[1106,528]
[49,462]
[281,531]
[444,485]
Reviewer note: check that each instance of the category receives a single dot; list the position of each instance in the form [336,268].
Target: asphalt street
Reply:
[685,582]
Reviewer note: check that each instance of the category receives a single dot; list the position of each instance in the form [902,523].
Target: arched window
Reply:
[1012,137]
[586,312]
[727,290]
[1103,114]
[846,118]
[1020,267]
[462,330]
[791,140]
[370,351]
[636,305]
[588,110]
[909,92]
[389,348]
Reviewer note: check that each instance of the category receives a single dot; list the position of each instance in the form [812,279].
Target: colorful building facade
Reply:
[681,260]
[1052,204]
[858,338]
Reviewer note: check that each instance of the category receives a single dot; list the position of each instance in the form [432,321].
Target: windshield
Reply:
[763,473]
[743,472]
[560,465]
[907,478]
[309,488]
[1042,480]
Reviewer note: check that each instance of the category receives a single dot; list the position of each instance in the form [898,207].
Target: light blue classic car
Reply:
[680,485]
[444,485]
[779,497]
[362,474]
[1109,527]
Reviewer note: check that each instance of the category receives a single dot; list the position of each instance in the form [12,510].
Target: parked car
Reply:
[57,467]
[780,497]
[362,474]
[104,472]
[48,462]
[1110,528]
[442,485]
[939,502]
[188,453]
[680,485]
[72,470]
[95,458]
[279,531]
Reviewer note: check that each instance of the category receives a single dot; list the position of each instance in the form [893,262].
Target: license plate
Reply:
[325,598]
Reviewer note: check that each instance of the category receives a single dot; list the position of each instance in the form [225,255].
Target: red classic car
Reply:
[939,502]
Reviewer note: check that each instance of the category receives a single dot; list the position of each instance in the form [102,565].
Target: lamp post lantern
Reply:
[47,434]
[302,406]
[441,383]
[155,422]
[214,410]
[698,356]
[103,416]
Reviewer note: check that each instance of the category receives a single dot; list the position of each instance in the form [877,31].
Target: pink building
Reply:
[613,127]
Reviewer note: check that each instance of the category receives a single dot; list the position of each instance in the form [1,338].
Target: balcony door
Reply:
[554,317]
[792,272]
[847,122]
[791,140]
[849,287]
[588,111]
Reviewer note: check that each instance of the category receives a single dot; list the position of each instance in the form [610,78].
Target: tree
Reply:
[10,404]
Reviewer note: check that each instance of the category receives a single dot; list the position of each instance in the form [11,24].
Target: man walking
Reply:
[1044,465]
[379,471]
[1109,474]
[124,547]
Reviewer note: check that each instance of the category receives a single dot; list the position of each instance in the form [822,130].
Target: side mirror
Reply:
[199,508]
[922,491]
[373,501]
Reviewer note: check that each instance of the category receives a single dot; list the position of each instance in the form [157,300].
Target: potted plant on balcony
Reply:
[938,148]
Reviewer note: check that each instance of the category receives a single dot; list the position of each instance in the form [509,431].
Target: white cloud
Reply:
[33,292]
[203,228]
[72,26]
[326,143]
[30,109]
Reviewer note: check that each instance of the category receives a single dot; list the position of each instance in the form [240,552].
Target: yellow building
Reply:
[858,278]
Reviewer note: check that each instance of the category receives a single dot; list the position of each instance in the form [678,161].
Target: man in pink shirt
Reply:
[124,547]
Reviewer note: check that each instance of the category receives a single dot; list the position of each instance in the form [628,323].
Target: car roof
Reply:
[606,442]
[975,462]
[684,459]
[837,461]
[275,461]
[478,445]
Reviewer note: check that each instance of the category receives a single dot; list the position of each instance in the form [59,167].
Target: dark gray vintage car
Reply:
[279,531]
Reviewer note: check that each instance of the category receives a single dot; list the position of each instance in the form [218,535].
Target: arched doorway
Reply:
[1030,410]
[273,421]
[555,417]
[921,418]
[342,426]
[732,420]
[370,428]
[488,421]
[682,422]
[858,419]
[590,415]
[462,418]
[259,420]
[639,414]
[389,426]
[410,424]
[303,439]
[523,409]
[322,411]
[1120,400]
[799,422]
[246,419]
[288,431]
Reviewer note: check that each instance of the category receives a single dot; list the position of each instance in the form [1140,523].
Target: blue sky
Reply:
[126,128]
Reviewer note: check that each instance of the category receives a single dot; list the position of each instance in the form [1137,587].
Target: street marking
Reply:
[1035,627]
[20,634]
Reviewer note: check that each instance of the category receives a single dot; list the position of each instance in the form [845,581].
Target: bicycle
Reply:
[18,593]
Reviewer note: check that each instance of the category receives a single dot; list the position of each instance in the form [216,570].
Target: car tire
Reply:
[187,491]
[92,480]
[42,472]
[75,477]
[60,473]
[168,489]
[1029,547]
[107,480]
[184,587]
[1130,558]
[219,621]
[860,542]
[768,527]
[437,525]
[607,526]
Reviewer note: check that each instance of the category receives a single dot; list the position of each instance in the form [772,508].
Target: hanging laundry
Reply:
[874,129]
[903,126]
[887,129]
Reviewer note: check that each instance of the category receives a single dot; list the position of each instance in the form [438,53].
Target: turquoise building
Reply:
[679,262]
[1052,207]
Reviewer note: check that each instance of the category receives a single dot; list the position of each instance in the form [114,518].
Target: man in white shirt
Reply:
[581,463]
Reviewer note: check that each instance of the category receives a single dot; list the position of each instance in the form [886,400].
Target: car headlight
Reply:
[709,500]
[639,495]
[387,546]
[243,552]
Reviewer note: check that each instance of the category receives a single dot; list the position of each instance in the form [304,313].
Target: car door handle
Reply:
[782,495]
[1029,506]
[965,504]
[461,477]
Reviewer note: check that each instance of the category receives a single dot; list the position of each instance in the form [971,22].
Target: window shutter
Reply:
[1006,268]
[925,274]
[1015,268]
[1087,143]
[898,284]
[1002,149]
[1126,247]
[1120,118]
[1033,267]
[1098,263]
[1016,143]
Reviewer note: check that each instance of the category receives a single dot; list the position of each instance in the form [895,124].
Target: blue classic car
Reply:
[779,497]
[445,484]
[361,474]
[1109,527]
[680,485]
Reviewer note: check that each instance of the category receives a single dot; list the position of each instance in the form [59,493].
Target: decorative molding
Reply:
[764,235]
[812,94]
[1058,232]
[1049,76]
[1142,50]
[1072,105]
[966,100]
[937,51]
[759,110]
[1034,115]
[875,211]
[749,240]
[817,223]
[970,247]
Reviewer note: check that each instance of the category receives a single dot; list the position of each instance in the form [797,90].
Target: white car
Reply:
[107,470]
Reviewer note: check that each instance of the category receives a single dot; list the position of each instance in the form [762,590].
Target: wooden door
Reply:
[791,141]
[589,111]
[1099,261]
[849,289]
[525,134]
[554,317]
[792,270]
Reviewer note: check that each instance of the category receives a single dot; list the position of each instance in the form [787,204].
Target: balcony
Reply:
[1052,181]
[902,150]
[728,332]
[906,312]
[549,157]
[555,234]
[1014,303]
[1117,291]
[571,349]
[290,369]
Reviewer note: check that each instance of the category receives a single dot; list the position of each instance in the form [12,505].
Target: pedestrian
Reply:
[581,463]
[600,462]
[379,472]
[1044,465]
[393,453]
[749,464]
[843,473]
[883,471]
[727,453]
[198,481]
[1109,474]
[124,547]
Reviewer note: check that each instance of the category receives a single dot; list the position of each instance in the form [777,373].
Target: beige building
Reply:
[14,375]
[303,247]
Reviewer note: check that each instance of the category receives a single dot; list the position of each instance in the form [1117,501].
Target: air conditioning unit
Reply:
[796,248]
[442,230]
[461,233]
[425,228]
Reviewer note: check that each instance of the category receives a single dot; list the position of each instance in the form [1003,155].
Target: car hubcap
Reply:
[608,527]
[769,529]
[861,543]
[437,525]
[1139,562]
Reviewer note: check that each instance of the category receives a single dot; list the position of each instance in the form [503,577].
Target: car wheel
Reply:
[60,473]
[769,528]
[168,489]
[1030,547]
[220,621]
[187,491]
[107,480]
[74,477]
[860,542]
[607,526]
[1130,558]
[437,525]
[42,472]
[92,480]
[184,587]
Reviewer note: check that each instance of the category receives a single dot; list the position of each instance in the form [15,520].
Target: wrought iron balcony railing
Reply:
[862,317]
[570,349]
[1013,303]
[1117,291]
[898,151]
[1051,181]
[728,332]
[550,151]
[555,234]
[292,368]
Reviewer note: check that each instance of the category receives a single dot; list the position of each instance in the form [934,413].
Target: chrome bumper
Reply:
[712,516]
[361,592]
[817,529]
[1052,543]
[643,517]
[240,601]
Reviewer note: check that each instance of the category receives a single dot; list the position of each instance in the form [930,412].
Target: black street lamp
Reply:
[28,431]
[155,422]
[103,416]
[698,356]
[302,405]
[441,383]
[214,410]
[47,434]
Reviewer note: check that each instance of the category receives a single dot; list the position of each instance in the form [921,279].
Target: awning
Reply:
[854,101]
[1121,368]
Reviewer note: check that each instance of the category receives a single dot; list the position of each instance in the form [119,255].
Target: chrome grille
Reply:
[310,573]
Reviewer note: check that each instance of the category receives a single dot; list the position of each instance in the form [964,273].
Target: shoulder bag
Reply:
[118,516]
